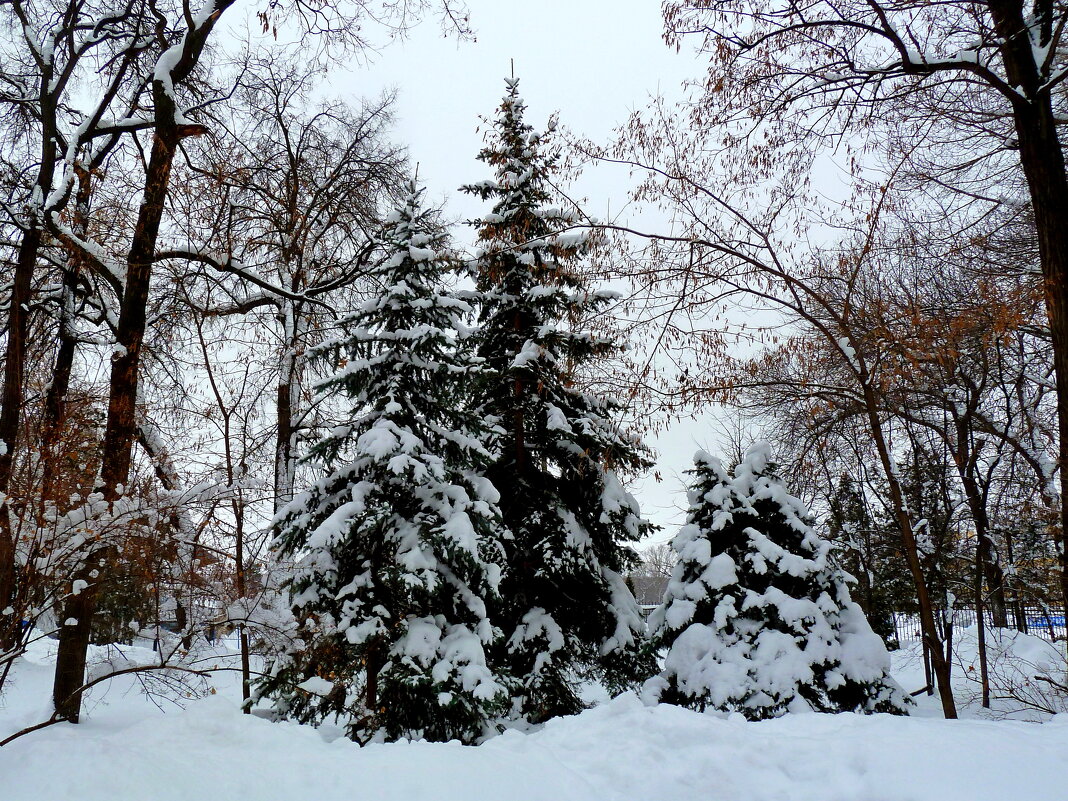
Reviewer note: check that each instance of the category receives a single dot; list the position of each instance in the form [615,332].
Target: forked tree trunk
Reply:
[117,448]
[121,429]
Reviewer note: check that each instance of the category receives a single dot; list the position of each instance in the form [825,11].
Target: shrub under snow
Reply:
[756,617]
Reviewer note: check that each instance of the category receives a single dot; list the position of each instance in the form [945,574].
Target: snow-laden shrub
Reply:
[756,618]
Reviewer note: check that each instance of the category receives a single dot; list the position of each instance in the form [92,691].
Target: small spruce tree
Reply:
[396,546]
[756,619]
[566,611]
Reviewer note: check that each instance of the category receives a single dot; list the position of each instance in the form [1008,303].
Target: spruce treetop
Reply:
[527,240]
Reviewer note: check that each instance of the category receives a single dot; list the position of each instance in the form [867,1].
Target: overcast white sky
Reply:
[592,61]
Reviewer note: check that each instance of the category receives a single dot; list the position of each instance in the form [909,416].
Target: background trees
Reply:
[977,84]
[872,315]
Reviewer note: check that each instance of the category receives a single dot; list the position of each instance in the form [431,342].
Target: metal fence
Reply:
[1041,622]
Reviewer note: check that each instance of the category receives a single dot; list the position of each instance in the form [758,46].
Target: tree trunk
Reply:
[242,592]
[929,632]
[15,355]
[980,628]
[181,622]
[1053,245]
[1019,617]
[374,666]
[117,448]
[283,458]
[10,421]
[283,489]
[1043,165]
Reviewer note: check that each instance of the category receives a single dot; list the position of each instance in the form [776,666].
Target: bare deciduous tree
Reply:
[984,79]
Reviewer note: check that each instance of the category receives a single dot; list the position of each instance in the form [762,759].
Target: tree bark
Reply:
[117,447]
[929,632]
[1044,165]
[15,355]
[1042,160]
[10,421]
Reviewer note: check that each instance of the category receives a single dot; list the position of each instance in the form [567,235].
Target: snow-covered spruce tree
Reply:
[396,548]
[567,614]
[756,618]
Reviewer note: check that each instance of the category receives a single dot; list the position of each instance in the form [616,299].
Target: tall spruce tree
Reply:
[756,618]
[396,546]
[567,614]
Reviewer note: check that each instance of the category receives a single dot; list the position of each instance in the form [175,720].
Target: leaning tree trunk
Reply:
[929,632]
[117,447]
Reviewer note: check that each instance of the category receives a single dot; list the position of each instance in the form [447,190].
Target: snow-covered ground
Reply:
[129,749]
